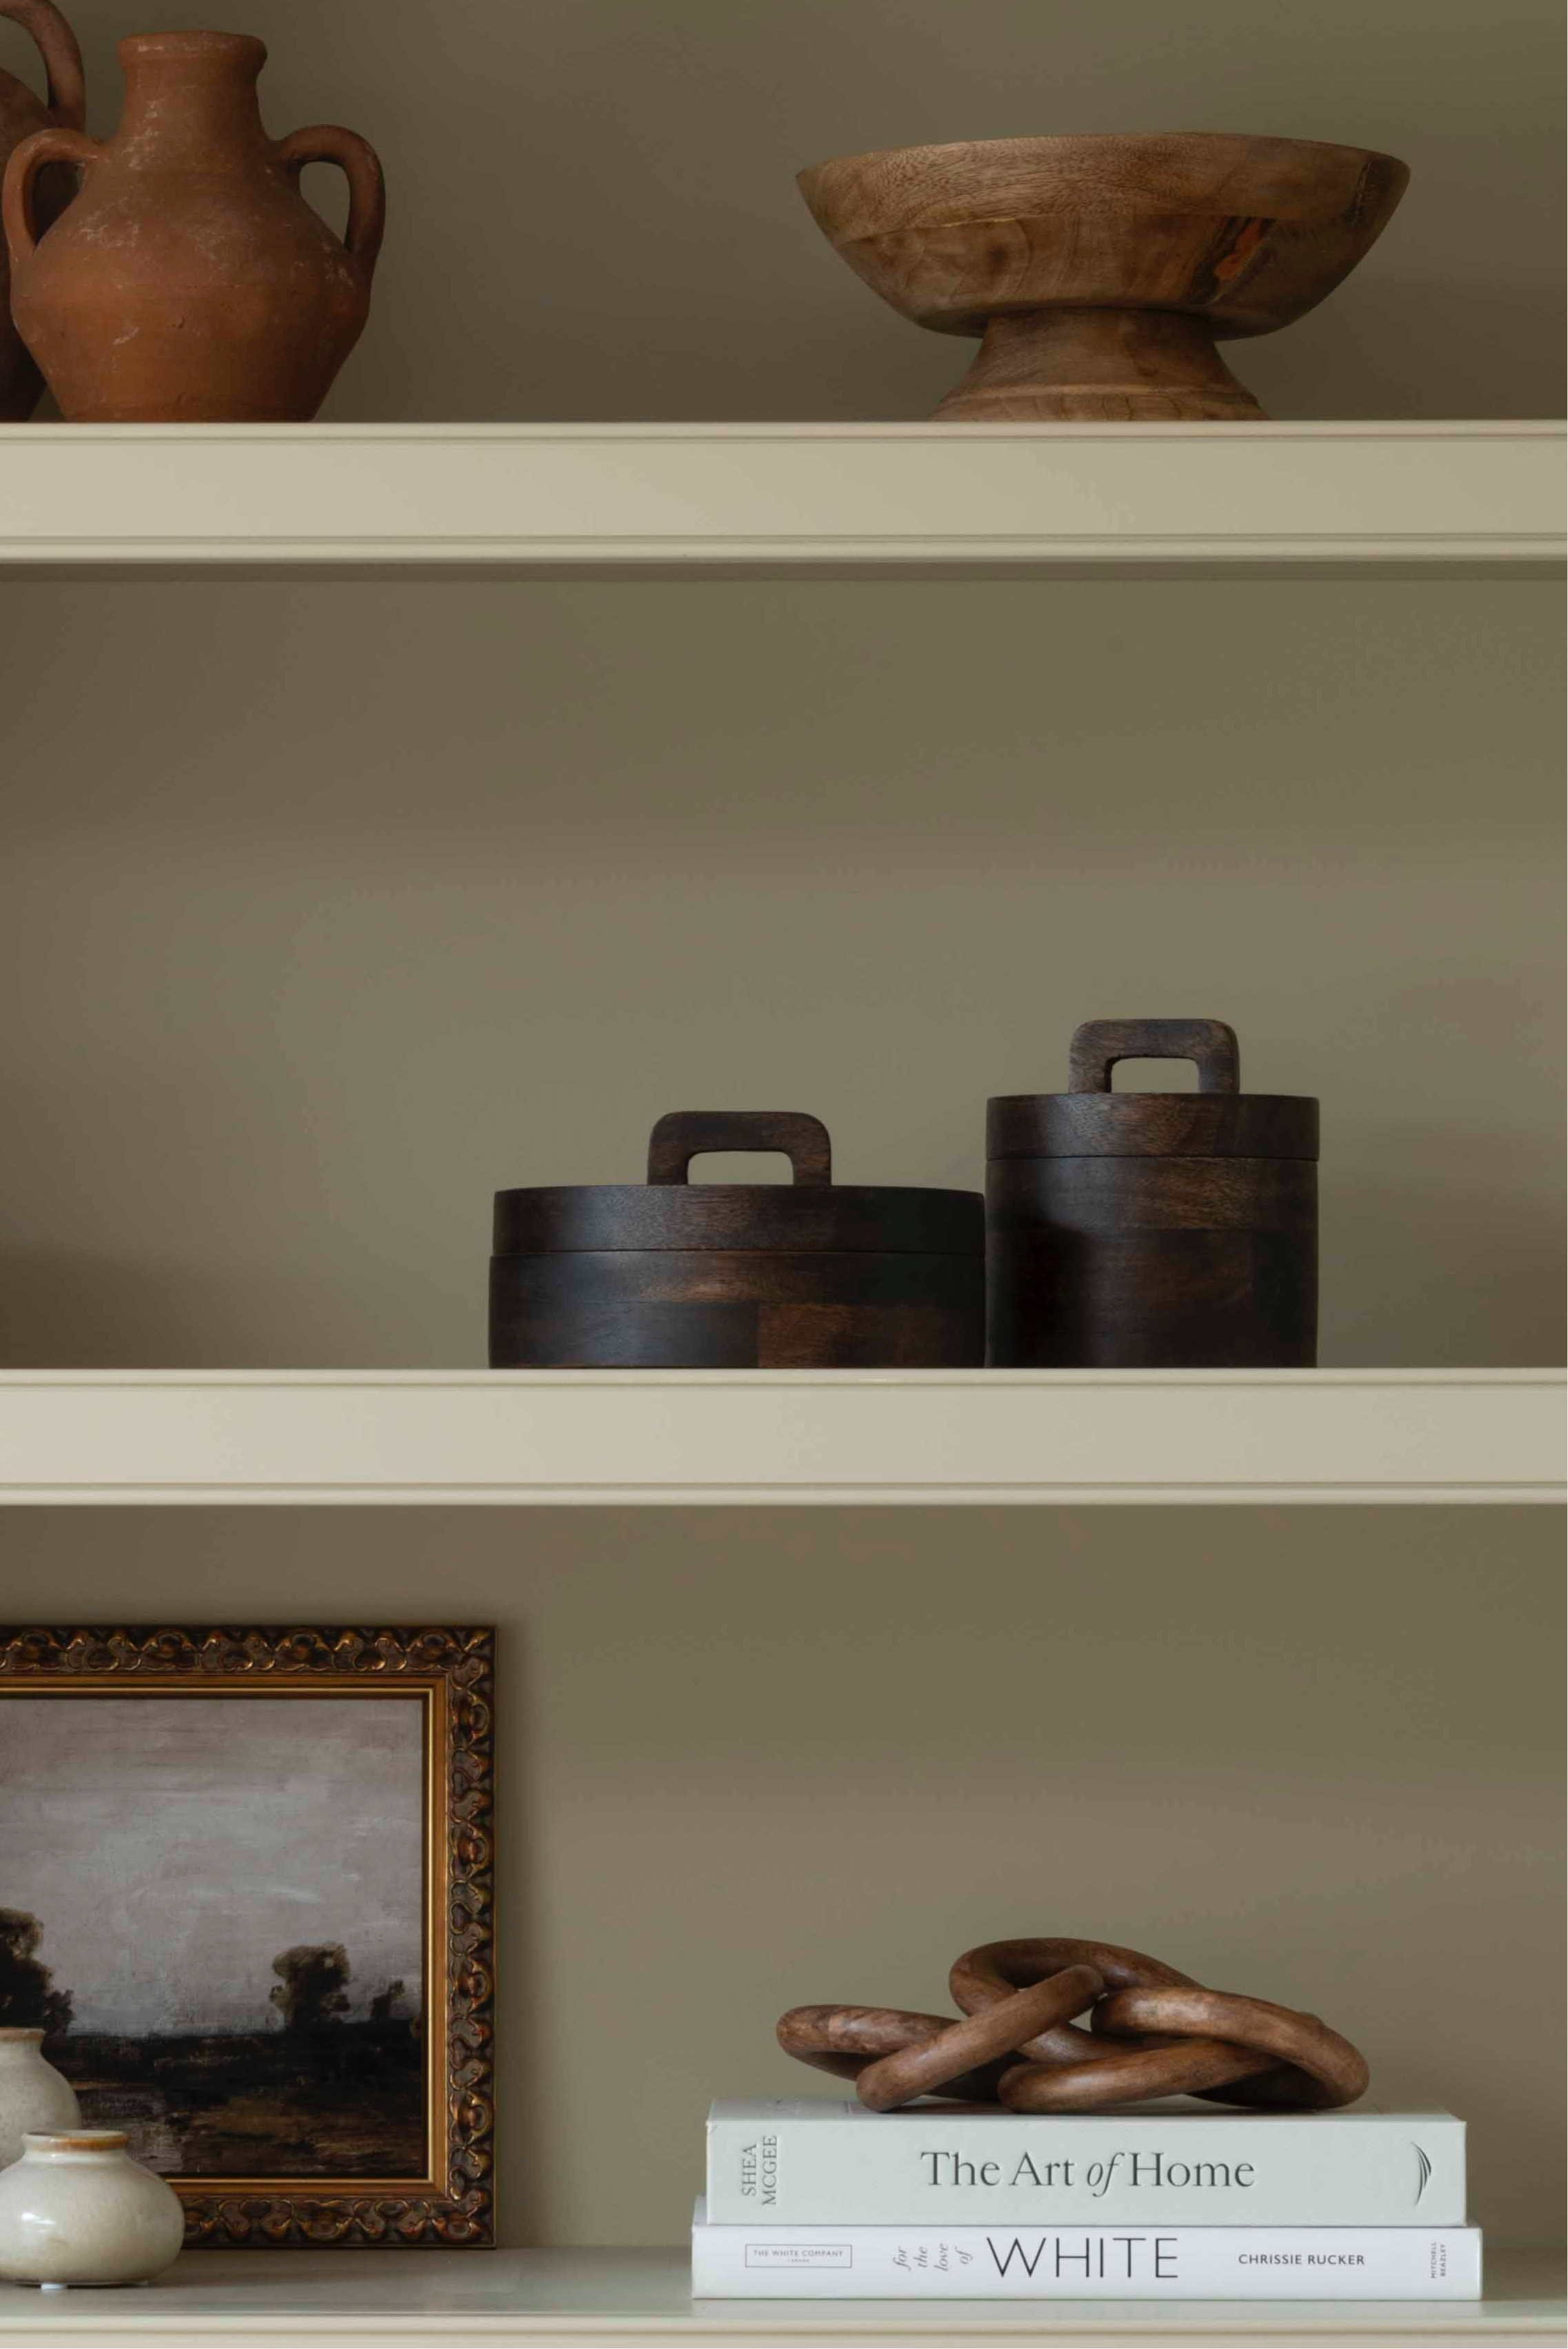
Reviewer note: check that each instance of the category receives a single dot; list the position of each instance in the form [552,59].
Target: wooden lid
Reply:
[1219,1121]
[669,1213]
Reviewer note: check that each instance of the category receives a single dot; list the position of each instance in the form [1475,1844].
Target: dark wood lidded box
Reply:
[672,1275]
[1152,1231]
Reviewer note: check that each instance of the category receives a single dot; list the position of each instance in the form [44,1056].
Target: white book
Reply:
[1084,2262]
[802,2161]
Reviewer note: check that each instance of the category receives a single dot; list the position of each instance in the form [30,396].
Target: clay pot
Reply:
[21,114]
[77,2211]
[189,282]
[32,2094]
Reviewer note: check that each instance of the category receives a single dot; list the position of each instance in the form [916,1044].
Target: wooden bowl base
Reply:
[1061,366]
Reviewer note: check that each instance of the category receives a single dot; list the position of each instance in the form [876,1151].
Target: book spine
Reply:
[1085,2263]
[1013,2170]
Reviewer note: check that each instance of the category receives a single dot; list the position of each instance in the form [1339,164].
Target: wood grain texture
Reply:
[1171,1125]
[686,1133]
[1153,2033]
[846,1217]
[1100,270]
[1100,1046]
[672,1275]
[751,1308]
[990,2032]
[1152,1231]
[846,2041]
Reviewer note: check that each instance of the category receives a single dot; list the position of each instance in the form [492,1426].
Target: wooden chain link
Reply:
[1152,2032]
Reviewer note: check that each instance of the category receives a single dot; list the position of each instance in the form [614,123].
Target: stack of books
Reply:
[814,2197]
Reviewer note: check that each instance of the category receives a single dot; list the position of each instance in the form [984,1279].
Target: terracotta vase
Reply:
[189,282]
[21,114]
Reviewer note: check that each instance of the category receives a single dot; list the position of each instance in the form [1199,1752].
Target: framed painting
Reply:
[247,1889]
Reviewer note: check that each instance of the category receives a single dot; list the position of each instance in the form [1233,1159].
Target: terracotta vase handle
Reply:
[328,142]
[61,53]
[48,146]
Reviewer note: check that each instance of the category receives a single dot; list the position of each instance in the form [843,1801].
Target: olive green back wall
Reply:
[593,211]
[331,909]
[753,1758]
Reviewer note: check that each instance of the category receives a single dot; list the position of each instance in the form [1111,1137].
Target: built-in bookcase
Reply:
[970,1686]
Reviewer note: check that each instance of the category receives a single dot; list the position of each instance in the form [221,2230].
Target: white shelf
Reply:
[780,499]
[981,1436]
[236,2299]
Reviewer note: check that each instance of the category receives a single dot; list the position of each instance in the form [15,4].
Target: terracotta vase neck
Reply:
[189,96]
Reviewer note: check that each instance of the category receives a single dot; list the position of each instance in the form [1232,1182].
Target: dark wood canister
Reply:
[1152,1231]
[674,1275]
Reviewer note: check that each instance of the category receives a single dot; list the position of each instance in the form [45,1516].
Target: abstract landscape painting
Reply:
[214,1904]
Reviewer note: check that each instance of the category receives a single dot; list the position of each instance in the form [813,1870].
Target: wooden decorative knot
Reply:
[1152,2032]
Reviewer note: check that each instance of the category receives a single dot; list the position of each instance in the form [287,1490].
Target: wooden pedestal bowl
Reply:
[1100,272]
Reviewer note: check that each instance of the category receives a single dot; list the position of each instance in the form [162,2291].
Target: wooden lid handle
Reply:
[685,1133]
[1099,1044]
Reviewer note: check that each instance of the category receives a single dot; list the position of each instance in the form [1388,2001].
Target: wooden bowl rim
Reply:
[1020,143]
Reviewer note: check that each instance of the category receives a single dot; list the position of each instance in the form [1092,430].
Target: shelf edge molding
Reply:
[676,1438]
[610,2298]
[778,500]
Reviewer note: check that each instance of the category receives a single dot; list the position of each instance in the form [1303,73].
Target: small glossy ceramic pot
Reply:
[77,2211]
[33,2096]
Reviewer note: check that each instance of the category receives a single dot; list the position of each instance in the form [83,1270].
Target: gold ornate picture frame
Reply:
[169,1826]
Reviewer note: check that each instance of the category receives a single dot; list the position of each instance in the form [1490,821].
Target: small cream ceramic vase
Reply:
[77,2211]
[32,2094]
